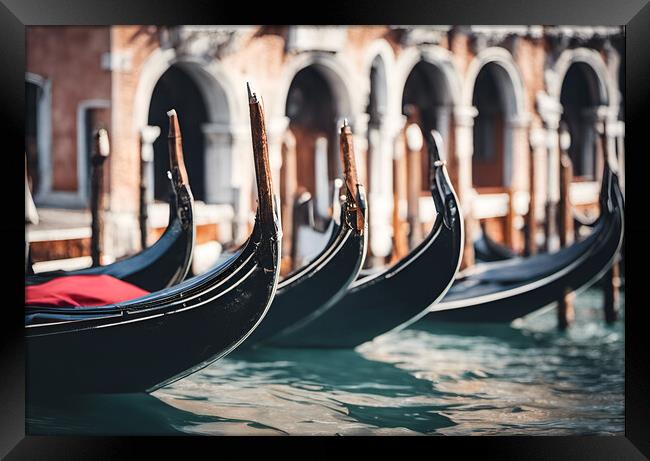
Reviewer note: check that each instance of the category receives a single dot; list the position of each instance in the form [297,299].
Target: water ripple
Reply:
[447,379]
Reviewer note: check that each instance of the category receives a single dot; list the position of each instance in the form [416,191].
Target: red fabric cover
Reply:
[81,290]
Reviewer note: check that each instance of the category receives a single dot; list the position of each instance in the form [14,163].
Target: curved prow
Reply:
[181,199]
[350,175]
[443,195]
[265,212]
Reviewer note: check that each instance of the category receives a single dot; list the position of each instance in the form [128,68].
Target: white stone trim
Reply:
[82,145]
[44,194]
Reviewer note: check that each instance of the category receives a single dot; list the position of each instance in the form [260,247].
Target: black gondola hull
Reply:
[297,301]
[400,295]
[163,337]
[493,302]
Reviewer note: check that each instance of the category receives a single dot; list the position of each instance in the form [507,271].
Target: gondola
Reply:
[323,281]
[167,261]
[504,291]
[401,294]
[148,342]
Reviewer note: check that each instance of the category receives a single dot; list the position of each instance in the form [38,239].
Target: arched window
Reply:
[177,90]
[580,101]
[488,160]
[426,101]
[312,111]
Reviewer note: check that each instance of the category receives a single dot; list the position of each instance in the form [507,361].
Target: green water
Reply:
[447,380]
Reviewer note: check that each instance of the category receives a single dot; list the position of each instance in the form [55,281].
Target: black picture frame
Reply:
[634,14]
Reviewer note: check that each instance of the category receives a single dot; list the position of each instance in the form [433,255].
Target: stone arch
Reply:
[510,79]
[379,55]
[216,86]
[226,116]
[496,65]
[605,86]
[314,77]
[439,58]
[587,92]
[337,75]
[443,75]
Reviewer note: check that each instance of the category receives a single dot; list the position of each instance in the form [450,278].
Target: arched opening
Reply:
[33,95]
[580,101]
[312,111]
[378,92]
[490,157]
[427,104]
[176,89]
[498,111]
[427,101]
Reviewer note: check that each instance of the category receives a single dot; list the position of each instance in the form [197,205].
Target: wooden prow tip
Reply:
[252,97]
[175,146]
[347,157]
[350,170]
[262,164]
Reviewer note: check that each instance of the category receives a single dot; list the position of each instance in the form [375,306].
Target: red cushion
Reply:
[81,290]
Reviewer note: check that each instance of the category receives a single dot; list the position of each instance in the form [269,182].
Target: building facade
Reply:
[499,96]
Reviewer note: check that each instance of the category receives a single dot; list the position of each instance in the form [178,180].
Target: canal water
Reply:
[525,379]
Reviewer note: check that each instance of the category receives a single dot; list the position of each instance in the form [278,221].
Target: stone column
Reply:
[414,144]
[218,163]
[516,175]
[464,129]
[380,179]
[148,135]
[276,130]
[536,185]
[321,178]
[443,120]
[613,131]
[228,163]
[617,130]
[243,182]
[550,110]
[360,132]
[288,184]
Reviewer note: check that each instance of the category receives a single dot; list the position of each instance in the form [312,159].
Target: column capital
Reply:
[393,124]
[277,126]
[537,138]
[148,134]
[549,109]
[360,123]
[464,115]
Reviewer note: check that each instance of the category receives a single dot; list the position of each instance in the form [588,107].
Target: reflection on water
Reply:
[446,379]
